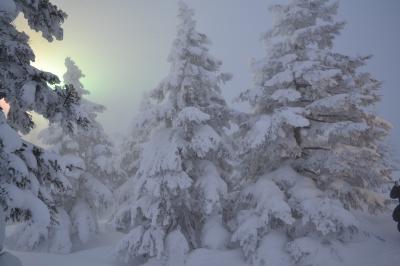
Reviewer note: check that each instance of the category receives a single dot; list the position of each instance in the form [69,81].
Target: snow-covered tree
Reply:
[24,87]
[182,160]
[31,188]
[312,149]
[87,161]
[139,133]
[31,182]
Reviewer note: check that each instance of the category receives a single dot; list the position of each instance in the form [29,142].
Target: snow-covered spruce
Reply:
[87,162]
[31,183]
[139,133]
[312,149]
[183,161]
[31,187]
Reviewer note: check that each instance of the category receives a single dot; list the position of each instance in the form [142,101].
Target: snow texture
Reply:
[180,160]
[310,144]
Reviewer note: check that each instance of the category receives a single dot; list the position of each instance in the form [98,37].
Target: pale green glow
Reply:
[49,56]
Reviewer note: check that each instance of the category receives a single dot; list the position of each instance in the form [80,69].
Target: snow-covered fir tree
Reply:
[31,188]
[31,181]
[311,152]
[139,133]
[182,168]
[87,161]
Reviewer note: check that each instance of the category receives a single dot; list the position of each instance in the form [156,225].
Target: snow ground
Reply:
[381,248]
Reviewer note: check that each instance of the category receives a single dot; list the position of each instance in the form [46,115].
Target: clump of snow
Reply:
[28,94]
[204,140]
[83,221]
[73,166]
[161,153]
[260,131]
[294,116]
[10,139]
[214,235]
[212,186]
[25,200]
[271,251]
[286,95]
[61,243]
[8,259]
[192,115]
[280,78]
[177,248]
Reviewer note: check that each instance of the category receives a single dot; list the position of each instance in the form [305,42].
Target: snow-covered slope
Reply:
[381,248]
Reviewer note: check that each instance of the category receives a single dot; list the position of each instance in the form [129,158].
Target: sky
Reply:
[122,47]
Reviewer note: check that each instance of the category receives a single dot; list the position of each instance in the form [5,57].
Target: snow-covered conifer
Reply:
[183,157]
[31,187]
[87,162]
[312,148]
[31,182]
[139,133]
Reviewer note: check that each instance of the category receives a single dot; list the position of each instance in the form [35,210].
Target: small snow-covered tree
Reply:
[31,183]
[183,155]
[312,148]
[87,161]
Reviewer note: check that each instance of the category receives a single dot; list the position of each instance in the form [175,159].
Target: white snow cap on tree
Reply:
[311,151]
[182,162]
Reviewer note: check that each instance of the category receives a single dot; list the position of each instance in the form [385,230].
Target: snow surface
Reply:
[380,248]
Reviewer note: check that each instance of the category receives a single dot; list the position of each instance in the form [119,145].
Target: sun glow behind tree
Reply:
[50,57]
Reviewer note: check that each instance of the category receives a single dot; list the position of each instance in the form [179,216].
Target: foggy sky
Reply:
[122,47]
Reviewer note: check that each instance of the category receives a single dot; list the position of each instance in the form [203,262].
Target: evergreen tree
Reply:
[88,163]
[31,182]
[139,133]
[183,162]
[312,149]
[24,87]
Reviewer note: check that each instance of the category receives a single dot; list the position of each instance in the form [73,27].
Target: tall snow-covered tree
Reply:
[88,163]
[311,151]
[183,160]
[31,182]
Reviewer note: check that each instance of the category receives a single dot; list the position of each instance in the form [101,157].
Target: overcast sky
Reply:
[122,46]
